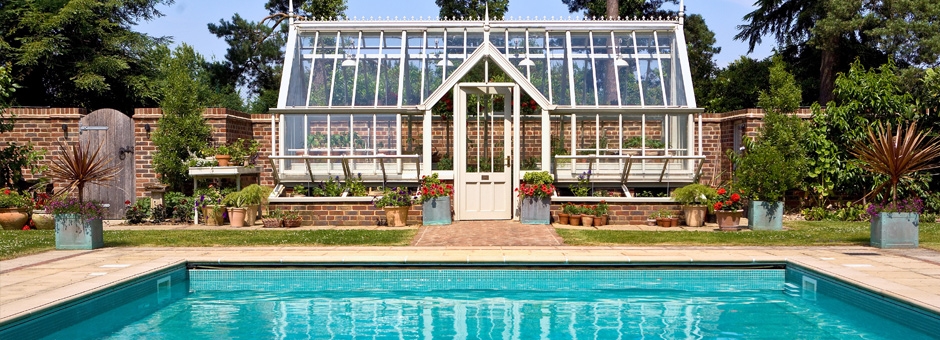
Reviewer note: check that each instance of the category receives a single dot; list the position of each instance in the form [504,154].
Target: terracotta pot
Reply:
[674,222]
[575,219]
[661,222]
[396,216]
[236,216]
[587,220]
[14,218]
[728,220]
[695,215]
[42,220]
[563,218]
[223,159]
[602,219]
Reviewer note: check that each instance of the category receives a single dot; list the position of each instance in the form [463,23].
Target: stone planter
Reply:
[74,232]
[535,210]
[764,215]
[436,211]
[213,216]
[42,220]
[728,220]
[396,216]
[236,216]
[251,215]
[895,230]
[563,218]
[13,218]
[695,215]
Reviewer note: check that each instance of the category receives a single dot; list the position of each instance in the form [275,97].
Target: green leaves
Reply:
[896,154]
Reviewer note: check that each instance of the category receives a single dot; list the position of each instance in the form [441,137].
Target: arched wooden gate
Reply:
[114,131]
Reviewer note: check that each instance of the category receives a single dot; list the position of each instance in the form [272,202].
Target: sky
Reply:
[186,20]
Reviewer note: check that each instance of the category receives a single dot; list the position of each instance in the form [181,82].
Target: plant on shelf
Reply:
[355,187]
[583,187]
[635,142]
[75,167]
[222,153]
[244,151]
[316,140]
[396,203]
[299,190]
[331,188]
[694,198]
[435,200]
[896,154]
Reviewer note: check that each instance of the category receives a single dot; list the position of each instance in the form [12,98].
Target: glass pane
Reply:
[559,68]
[655,134]
[413,62]
[434,70]
[582,68]
[537,73]
[632,143]
[649,70]
[604,68]
[386,134]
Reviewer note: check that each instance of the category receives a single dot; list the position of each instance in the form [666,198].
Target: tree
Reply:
[15,157]
[903,29]
[76,53]
[314,9]
[702,50]
[182,131]
[472,8]
[627,8]
[737,86]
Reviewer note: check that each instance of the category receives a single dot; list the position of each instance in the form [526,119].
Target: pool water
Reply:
[498,304]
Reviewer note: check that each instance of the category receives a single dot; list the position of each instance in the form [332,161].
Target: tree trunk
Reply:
[827,76]
[610,80]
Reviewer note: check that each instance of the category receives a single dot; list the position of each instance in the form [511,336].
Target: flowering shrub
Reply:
[14,199]
[536,184]
[399,197]
[138,212]
[602,208]
[88,210]
[431,187]
[910,205]
[583,186]
[728,201]
[40,201]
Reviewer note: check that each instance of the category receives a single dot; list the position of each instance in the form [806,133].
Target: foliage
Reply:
[88,210]
[398,197]
[287,215]
[849,212]
[355,187]
[207,196]
[138,212]
[635,142]
[536,184]
[177,207]
[432,187]
[569,208]
[75,53]
[14,199]
[728,201]
[627,8]
[236,199]
[530,163]
[77,166]
[737,85]
[907,205]
[472,8]
[181,131]
[602,208]
[701,51]
[583,187]
[897,155]
[15,157]
[695,193]
[538,178]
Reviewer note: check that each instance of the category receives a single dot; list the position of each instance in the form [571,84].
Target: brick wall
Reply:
[44,128]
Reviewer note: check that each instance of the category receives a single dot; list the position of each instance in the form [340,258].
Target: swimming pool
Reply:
[562,302]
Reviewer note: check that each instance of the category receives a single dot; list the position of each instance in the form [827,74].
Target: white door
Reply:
[483,143]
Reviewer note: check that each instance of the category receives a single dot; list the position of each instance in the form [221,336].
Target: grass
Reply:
[801,233]
[14,243]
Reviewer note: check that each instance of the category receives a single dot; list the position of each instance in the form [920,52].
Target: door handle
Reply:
[123,150]
[509,161]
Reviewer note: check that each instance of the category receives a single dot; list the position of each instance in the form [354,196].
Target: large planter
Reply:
[695,215]
[535,210]
[764,215]
[213,216]
[74,232]
[396,216]
[729,220]
[237,216]
[42,220]
[895,230]
[251,215]
[436,211]
[13,218]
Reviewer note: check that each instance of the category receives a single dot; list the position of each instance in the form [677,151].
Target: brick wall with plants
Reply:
[627,212]
[44,129]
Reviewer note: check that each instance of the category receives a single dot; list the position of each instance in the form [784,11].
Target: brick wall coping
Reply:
[308,199]
[754,113]
[576,199]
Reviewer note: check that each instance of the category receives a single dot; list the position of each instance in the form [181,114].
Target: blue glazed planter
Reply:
[764,215]
[436,211]
[535,210]
[72,232]
[895,230]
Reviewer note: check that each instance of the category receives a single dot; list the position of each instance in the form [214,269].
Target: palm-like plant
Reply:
[897,155]
[77,166]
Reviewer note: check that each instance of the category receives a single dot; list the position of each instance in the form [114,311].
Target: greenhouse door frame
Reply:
[486,195]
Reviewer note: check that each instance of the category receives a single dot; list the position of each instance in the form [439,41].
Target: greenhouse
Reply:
[481,102]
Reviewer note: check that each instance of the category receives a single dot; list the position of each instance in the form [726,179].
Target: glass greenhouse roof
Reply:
[409,65]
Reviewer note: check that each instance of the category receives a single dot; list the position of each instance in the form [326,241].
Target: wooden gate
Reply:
[114,131]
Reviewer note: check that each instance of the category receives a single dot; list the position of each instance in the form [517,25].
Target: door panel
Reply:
[113,131]
[484,179]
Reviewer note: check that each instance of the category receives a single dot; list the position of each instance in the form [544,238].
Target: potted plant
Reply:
[299,190]
[574,217]
[583,187]
[396,203]
[587,216]
[209,201]
[243,151]
[651,220]
[223,154]
[897,155]
[435,200]
[566,210]
[274,219]
[694,198]
[728,209]
[254,195]
[14,209]
[535,195]
[78,223]
[600,213]
[237,208]
[662,218]
[291,218]
[41,219]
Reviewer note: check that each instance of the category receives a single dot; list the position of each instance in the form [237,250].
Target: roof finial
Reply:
[486,6]
[681,12]
[290,11]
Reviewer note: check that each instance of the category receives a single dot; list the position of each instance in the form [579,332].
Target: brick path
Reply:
[487,233]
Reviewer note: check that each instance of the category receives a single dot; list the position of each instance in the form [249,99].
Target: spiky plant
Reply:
[77,166]
[896,155]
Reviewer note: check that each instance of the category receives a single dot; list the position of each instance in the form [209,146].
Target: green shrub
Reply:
[137,212]
[695,193]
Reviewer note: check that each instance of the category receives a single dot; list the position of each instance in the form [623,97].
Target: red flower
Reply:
[127,202]
[25,227]
[718,206]
[735,197]
[6,191]
[721,191]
